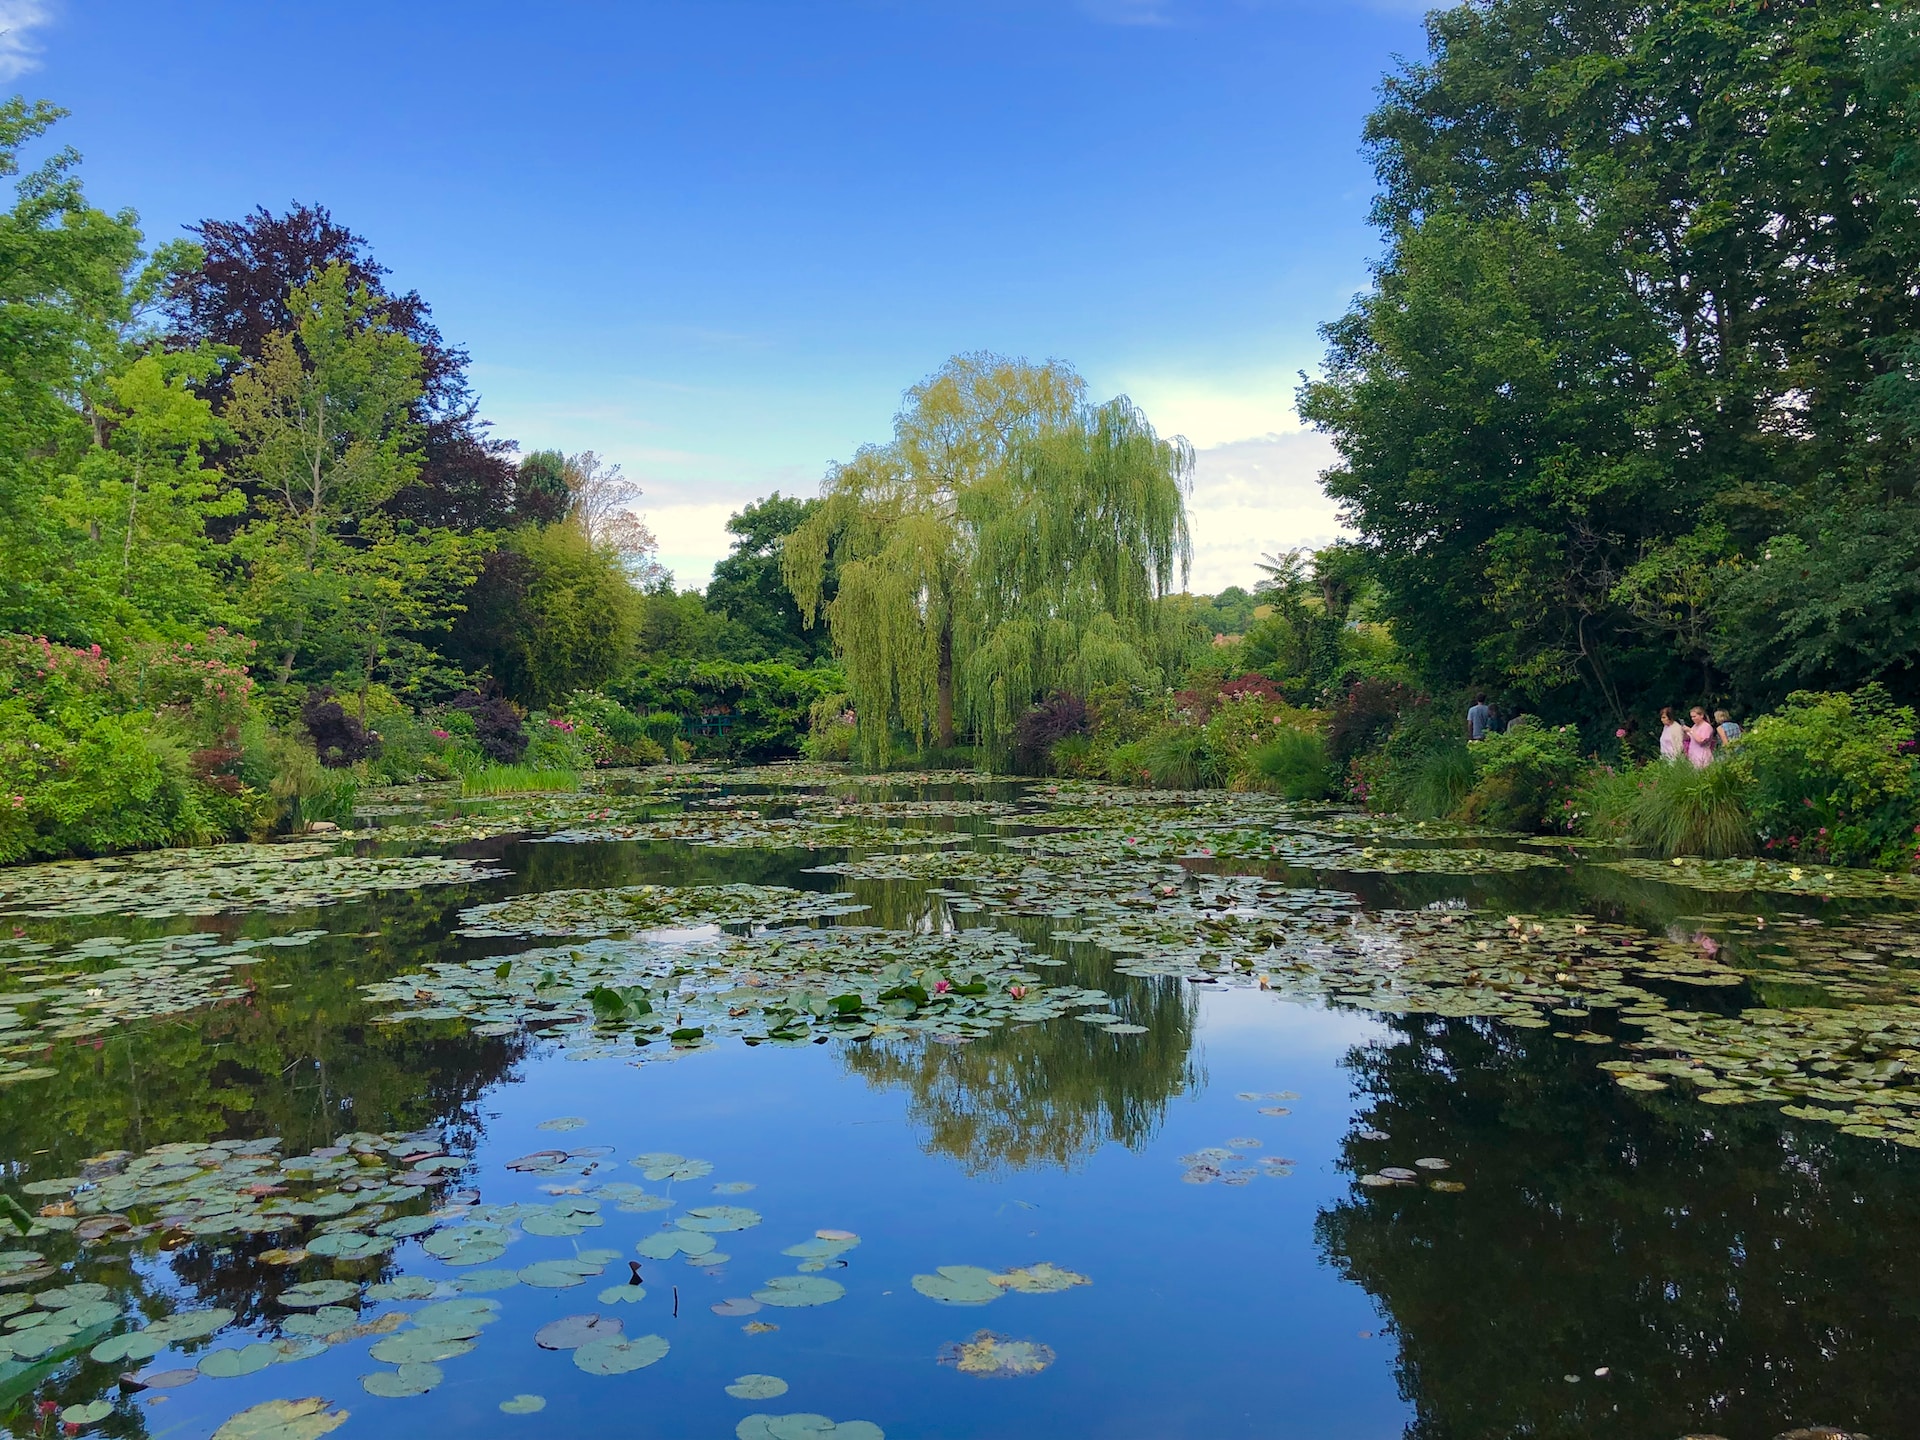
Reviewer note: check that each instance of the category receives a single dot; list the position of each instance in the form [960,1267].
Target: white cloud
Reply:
[692,534]
[1215,411]
[18,18]
[1255,497]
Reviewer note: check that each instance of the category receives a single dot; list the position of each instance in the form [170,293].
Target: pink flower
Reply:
[1620,734]
[941,987]
[443,734]
[1018,992]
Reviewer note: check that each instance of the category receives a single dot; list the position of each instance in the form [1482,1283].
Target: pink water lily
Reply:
[1018,992]
[941,987]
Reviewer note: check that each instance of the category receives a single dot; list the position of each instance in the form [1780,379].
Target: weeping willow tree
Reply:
[1008,541]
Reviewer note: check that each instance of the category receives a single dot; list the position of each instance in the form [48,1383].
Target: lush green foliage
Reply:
[1627,413]
[1670,809]
[518,780]
[1833,778]
[756,712]
[1294,763]
[1524,778]
[1008,541]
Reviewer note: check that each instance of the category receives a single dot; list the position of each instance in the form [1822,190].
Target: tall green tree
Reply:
[323,419]
[1007,530]
[762,620]
[1648,271]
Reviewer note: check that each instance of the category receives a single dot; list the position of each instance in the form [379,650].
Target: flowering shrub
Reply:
[98,754]
[1832,781]
[1523,777]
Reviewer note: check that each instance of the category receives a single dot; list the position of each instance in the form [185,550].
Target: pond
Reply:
[785,1103]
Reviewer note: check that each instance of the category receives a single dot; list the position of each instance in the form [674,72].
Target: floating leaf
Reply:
[718,1218]
[1041,1279]
[93,1412]
[226,1364]
[313,1294]
[757,1387]
[617,1357]
[524,1405]
[797,1291]
[992,1356]
[669,1243]
[959,1285]
[573,1331]
[563,1123]
[307,1419]
[400,1383]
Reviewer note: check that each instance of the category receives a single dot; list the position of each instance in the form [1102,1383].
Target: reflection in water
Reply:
[1730,1275]
[1049,1093]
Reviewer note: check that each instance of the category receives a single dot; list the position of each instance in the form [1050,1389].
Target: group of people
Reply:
[1699,739]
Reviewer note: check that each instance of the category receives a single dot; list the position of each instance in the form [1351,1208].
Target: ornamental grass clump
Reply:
[517,780]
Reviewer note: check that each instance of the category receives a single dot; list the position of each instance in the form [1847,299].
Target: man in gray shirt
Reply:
[1479,718]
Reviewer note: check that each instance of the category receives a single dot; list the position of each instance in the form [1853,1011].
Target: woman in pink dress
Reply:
[1702,739]
[1673,735]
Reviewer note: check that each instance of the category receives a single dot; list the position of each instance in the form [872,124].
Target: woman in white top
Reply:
[1673,735]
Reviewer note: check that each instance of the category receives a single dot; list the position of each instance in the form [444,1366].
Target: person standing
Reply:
[1673,735]
[1702,739]
[1479,718]
[1728,727]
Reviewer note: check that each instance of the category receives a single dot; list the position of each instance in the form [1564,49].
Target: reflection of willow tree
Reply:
[1735,1274]
[1044,1094]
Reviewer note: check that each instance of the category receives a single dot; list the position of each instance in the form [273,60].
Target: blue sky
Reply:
[715,240]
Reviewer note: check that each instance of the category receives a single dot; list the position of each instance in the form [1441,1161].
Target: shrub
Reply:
[302,790]
[1364,716]
[1832,780]
[1441,781]
[1293,763]
[760,711]
[1524,778]
[1174,757]
[554,744]
[830,729]
[1044,726]
[1670,809]
[339,739]
[610,733]
[491,722]
[1077,756]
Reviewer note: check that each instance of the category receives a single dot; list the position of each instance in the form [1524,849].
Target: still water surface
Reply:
[1614,1265]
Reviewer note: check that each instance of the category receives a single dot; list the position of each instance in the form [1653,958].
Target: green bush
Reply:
[301,789]
[554,743]
[610,733]
[1833,778]
[1524,778]
[754,712]
[1174,757]
[1440,781]
[1292,763]
[1670,809]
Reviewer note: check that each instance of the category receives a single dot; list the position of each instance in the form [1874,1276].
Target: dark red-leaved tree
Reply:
[238,296]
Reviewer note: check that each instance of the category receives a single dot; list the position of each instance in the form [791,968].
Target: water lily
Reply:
[1018,992]
[941,987]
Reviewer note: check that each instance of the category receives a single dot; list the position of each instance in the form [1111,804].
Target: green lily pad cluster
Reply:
[806,1427]
[629,909]
[777,985]
[88,987]
[975,1285]
[1772,876]
[352,1195]
[224,879]
[990,1356]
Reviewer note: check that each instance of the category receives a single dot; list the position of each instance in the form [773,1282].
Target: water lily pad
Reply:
[171,1379]
[226,1364]
[468,1244]
[718,1219]
[91,1413]
[406,1380]
[557,1274]
[663,1165]
[563,1123]
[307,1419]
[315,1293]
[1041,1279]
[740,1305]
[198,1324]
[524,1405]
[481,1282]
[346,1245]
[573,1331]
[617,1357]
[959,1285]
[669,1243]
[757,1387]
[407,1287]
[623,1295]
[805,1427]
[992,1356]
[420,1347]
[134,1346]
[797,1291]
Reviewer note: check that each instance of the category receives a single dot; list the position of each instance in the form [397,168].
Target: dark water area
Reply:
[1602,1263]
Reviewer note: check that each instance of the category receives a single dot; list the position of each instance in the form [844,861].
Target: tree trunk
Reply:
[943,706]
